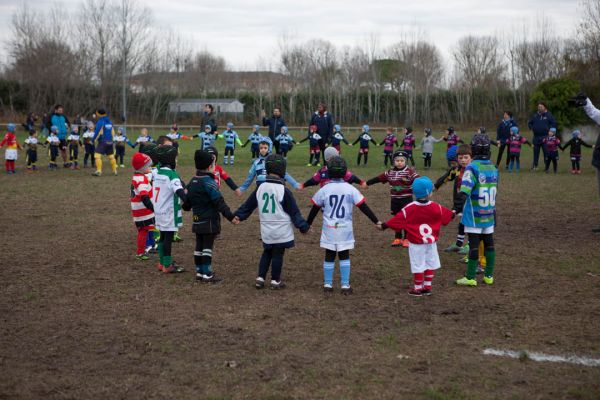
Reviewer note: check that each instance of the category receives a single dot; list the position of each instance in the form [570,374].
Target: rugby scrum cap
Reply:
[400,153]
[166,156]
[284,129]
[337,128]
[330,152]
[365,128]
[514,130]
[149,149]
[230,125]
[140,161]
[422,187]
[213,150]
[11,127]
[337,167]
[275,165]
[576,133]
[480,146]
[451,153]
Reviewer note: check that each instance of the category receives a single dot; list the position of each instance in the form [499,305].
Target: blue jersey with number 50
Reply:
[480,183]
[337,199]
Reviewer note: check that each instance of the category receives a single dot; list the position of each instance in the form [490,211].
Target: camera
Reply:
[578,101]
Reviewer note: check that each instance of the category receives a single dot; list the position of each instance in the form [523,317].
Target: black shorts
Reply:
[105,148]
[229,151]
[63,144]
[398,204]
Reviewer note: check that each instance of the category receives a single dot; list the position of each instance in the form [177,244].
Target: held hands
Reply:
[364,185]
[238,193]
[235,221]
[379,225]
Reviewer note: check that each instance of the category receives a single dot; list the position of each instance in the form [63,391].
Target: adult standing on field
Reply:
[502,136]
[540,123]
[58,119]
[103,139]
[275,122]
[208,119]
[324,122]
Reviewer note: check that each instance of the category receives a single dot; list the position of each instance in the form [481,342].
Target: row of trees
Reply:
[116,59]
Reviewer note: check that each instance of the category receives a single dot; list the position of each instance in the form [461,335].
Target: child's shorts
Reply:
[254,147]
[363,150]
[480,231]
[315,149]
[423,257]
[338,247]
[426,155]
[11,154]
[387,152]
[229,151]
[337,147]
[575,157]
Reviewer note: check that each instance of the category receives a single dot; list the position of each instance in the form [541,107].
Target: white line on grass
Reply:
[587,361]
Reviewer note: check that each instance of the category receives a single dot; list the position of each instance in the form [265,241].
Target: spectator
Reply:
[540,123]
[58,119]
[324,122]
[275,122]
[208,119]
[29,123]
[503,135]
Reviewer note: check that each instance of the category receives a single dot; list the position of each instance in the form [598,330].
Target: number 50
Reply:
[487,196]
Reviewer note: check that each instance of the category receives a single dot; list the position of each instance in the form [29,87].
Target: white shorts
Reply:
[338,247]
[484,231]
[423,257]
[10,154]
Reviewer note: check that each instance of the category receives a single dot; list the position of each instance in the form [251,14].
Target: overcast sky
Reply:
[245,32]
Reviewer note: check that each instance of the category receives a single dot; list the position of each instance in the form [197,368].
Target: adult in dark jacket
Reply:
[275,122]
[324,122]
[540,123]
[502,136]
[29,123]
[208,119]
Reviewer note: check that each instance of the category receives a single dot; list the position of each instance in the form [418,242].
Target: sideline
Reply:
[587,361]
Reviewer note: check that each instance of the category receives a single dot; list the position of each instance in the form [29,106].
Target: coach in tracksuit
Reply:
[275,122]
[540,123]
[324,122]
[502,136]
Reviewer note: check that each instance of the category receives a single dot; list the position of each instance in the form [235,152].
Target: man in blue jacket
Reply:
[540,123]
[324,122]
[502,136]
[275,122]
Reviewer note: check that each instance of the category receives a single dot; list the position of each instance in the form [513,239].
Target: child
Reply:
[143,139]
[451,139]
[427,147]
[220,174]
[88,143]
[551,144]
[408,144]
[422,220]
[120,141]
[206,202]
[254,140]
[54,143]
[400,178]
[174,136]
[364,138]
[31,144]
[337,138]
[75,143]
[278,213]
[207,137]
[285,141]
[514,148]
[231,138]
[167,209]
[337,199]
[388,143]
[314,149]
[576,142]
[10,154]
[258,170]
[455,173]
[321,177]
[142,208]
[478,199]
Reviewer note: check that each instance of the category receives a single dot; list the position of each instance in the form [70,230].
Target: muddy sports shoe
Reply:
[328,288]
[466,282]
[142,257]
[405,243]
[96,173]
[211,279]
[488,280]
[346,290]
[277,285]
[173,269]
[426,292]
[177,238]
[259,283]
[397,243]
[453,248]
[415,292]
[464,250]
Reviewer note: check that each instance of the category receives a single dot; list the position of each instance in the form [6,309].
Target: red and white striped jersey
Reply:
[400,181]
[140,186]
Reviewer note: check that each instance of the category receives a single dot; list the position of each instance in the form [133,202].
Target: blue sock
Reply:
[150,239]
[200,269]
[208,269]
[328,273]
[345,272]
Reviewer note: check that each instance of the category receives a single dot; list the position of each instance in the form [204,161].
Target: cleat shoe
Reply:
[405,243]
[96,173]
[173,269]
[426,292]
[121,166]
[466,282]
[328,288]
[464,260]
[488,280]
[346,290]
[318,164]
[211,279]
[573,171]
[142,257]
[397,243]
[277,285]
[259,283]
[309,165]
[578,172]
[464,250]
[199,277]
[415,292]
[116,173]
[453,248]
[177,238]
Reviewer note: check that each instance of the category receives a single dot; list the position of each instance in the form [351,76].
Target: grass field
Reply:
[81,318]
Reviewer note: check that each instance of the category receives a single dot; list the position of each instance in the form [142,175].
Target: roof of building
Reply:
[205,101]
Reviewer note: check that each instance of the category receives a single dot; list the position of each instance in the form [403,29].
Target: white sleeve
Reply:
[357,196]
[592,111]
[176,184]
[319,198]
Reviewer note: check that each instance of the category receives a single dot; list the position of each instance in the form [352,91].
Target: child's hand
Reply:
[301,187]
[379,225]
[238,192]
[364,185]
[235,220]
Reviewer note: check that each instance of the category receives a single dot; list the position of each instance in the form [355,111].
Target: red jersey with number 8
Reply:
[421,221]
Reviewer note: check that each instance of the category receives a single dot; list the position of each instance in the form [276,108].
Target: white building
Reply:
[197,105]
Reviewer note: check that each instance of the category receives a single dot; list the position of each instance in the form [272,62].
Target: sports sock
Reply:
[460,240]
[482,259]
[7,165]
[345,272]
[490,256]
[429,273]
[113,163]
[98,163]
[472,268]
[418,280]
[328,273]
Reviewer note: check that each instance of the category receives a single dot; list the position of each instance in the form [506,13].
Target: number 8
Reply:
[426,233]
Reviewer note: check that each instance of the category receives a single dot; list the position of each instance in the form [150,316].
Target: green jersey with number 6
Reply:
[167,208]
[480,183]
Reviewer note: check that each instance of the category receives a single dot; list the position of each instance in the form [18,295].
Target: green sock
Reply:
[472,269]
[490,256]
[168,260]
[160,253]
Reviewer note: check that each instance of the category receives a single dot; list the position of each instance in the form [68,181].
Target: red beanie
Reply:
[139,161]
